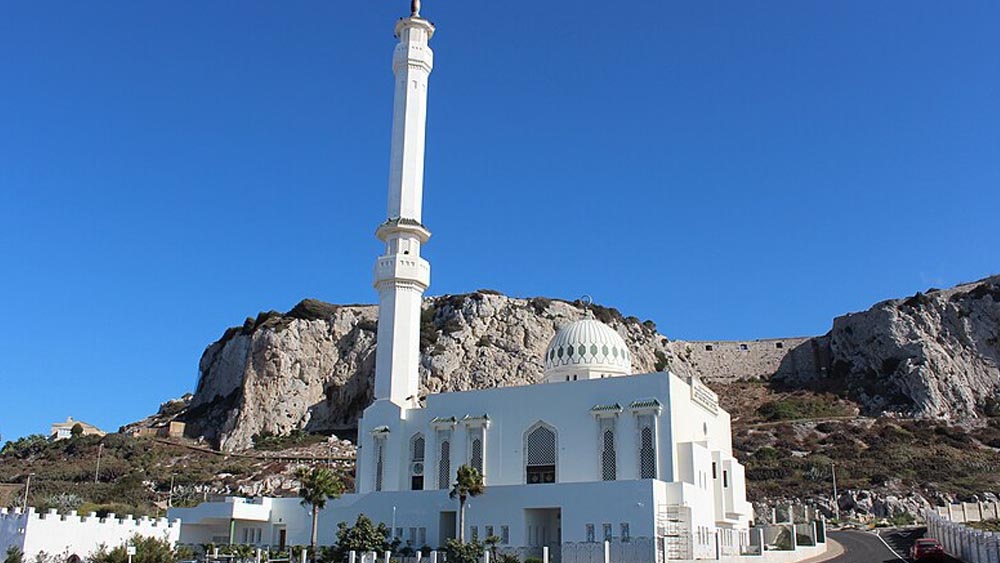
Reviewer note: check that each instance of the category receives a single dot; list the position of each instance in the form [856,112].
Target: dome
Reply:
[586,349]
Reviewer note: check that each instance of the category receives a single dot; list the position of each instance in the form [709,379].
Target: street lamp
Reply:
[836,500]
[27,485]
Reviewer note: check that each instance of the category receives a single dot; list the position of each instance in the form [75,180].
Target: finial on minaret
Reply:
[414,8]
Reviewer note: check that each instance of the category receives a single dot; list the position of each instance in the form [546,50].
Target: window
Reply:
[540,455]
[779,345]
[413,537]
[417,447]
[714,475]
[743,347]
[399,533]
[609,462]
[504,535]
[475,533]
[488,530]
[625,533]
[590,533]
[607,532]
[725,478]
[476,460]
[444,466]
[379,461]
[422,538]
[708,347]
[647,449]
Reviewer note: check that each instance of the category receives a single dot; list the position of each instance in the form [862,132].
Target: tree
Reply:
[469,483]
[363,536]
[147,550]
[77,430]
[315,487]
[14,555]
[459,552]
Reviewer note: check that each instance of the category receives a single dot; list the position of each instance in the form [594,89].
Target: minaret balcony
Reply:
[402,268]
[402,226]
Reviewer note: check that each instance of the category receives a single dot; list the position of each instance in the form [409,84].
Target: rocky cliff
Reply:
[312,368]
[933,355]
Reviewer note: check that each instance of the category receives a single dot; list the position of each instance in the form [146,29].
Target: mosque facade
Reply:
[592,453]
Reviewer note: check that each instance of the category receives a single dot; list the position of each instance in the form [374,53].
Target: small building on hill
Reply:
[64,430]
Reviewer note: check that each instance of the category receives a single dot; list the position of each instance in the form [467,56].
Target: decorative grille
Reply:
[477,454]
[418,448]
[608,458]
[541,447]
[444,466]
[647,454]
[379,463]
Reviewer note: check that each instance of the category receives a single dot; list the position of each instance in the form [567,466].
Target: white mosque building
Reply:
[593,453]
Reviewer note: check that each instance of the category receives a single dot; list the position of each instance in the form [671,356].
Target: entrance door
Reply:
[543,527]
[447,526]
[282,539]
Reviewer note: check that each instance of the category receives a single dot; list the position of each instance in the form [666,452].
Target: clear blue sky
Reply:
[730,170]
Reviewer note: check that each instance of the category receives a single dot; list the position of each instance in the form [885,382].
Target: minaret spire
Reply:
[401,275]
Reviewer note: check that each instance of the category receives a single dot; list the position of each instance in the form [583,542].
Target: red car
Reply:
[927,549]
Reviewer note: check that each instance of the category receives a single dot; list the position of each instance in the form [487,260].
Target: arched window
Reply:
[609,462]
[540,454]
[444,465]
[379,462]
[417,447]
[647,453]
[476,459]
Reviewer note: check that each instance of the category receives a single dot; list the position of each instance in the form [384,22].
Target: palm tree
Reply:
[316,486]
[469,483]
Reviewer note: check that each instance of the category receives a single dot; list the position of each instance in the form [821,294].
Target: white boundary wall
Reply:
[71,534]
[963,542]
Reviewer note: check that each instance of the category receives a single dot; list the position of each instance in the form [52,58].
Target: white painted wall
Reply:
[73,534]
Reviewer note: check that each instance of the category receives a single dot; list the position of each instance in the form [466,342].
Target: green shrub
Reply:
[470,552]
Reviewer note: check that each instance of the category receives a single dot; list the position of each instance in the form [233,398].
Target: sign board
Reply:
[130,550]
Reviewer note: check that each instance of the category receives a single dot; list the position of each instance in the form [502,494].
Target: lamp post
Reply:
[27,485]
[392,532]
[836,499]
[97,470]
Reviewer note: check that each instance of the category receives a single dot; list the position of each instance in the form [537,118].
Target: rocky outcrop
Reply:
[935,354]
[313,367]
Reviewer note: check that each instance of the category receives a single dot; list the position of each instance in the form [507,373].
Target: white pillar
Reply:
[434,557]
[401,275]
[386,556]
[486,556]
[352,556]
[545,554]
[259,554]
[303,555]
[607,551]
[420,556]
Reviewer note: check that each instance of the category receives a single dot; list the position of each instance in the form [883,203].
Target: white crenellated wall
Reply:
[961,541]
[72,534]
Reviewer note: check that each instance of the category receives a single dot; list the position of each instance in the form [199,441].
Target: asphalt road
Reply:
[866,547]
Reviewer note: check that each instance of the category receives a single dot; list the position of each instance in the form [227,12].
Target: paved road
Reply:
[866,547]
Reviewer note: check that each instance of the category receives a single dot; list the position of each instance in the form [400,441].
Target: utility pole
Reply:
[97,471]
[836,499]
[27,485]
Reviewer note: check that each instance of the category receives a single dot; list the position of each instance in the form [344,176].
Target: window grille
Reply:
[608,458]
[489,531]
[625,532]
[379,463]
[540,455]
[607,532]
[590,533]
[475,533]
[422,539]
[477,454]
[504,535]
[444,466]
[418,448]
[647,454]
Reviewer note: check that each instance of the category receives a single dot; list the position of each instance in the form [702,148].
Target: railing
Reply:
[968,544]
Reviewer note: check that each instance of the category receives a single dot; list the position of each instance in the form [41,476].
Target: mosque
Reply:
[592,453]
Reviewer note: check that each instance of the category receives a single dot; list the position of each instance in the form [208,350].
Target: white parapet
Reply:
[72,534]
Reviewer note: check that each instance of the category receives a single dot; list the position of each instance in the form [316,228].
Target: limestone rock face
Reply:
[930,355]
[313,367]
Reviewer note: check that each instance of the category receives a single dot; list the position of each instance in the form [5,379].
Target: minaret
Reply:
[401,275]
